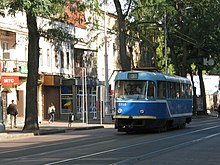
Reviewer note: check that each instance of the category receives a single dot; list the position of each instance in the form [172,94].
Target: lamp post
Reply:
[2,125]
[165,41]
[106,84]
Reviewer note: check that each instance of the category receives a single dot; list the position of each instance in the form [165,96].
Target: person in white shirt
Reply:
[51,113]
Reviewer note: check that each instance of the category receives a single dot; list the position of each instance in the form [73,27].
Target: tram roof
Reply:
[154,76]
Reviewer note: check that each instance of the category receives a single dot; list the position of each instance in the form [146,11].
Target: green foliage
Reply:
[186,21]
[42,8]
[146,25]
[193,19]
[57,36]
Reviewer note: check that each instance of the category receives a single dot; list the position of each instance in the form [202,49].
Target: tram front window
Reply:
[130,89]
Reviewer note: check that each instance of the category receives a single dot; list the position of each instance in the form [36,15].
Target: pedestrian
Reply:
[51,113]
[70,119]
[12,111]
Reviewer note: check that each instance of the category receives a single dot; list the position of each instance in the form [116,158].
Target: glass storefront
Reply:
[66,99]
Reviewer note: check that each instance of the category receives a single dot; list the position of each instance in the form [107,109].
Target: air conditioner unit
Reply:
[6,55]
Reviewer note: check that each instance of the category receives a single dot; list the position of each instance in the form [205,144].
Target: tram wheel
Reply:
[181,126]
[162,129]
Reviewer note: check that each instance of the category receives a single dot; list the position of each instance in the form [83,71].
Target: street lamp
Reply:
[165,41]
[106,103]
[2,125]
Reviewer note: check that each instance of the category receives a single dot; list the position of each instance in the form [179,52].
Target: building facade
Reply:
[69,75]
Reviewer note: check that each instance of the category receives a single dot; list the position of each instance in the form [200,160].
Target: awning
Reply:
[7,89]
[84,47]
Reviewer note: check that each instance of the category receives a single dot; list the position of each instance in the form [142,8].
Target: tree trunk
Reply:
[31,111]
[174,56]
[124,59]
[202,89]
[194,94]
[185,54]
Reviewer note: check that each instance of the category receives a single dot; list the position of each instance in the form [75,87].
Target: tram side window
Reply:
[169,90]
[151,90]
[182,90]
[188,91]
[173,92]
[161,89]
[177,90]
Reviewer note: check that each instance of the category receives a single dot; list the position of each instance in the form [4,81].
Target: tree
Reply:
[145,23]
[51,9]
[124,58]
[192,20]
[193,30]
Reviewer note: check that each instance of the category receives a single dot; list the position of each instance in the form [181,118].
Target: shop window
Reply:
[66,99]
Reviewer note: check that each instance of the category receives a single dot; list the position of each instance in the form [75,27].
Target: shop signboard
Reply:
[9,80]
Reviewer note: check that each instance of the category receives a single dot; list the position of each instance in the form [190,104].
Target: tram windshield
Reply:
[134,89]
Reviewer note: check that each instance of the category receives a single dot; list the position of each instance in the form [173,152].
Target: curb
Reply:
[6,136]
[87,128]
[203,116]
[20,134]
[55,131]
[48,132]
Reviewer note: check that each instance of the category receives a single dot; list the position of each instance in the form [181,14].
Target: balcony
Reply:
[13,68]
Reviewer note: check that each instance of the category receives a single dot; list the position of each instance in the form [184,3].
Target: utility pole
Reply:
[2,125]
[165,41]
[106,103]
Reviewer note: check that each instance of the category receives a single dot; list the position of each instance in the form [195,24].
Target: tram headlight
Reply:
[119,110]
[141,111]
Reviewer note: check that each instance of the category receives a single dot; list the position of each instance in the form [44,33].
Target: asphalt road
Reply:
[198,143]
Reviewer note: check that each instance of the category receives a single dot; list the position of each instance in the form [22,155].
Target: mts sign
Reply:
[10,81]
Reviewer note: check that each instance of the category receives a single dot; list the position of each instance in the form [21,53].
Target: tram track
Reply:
[110,146]
[152,153]
[136,159]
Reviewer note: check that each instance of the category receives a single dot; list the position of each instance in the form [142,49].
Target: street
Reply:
[198,143]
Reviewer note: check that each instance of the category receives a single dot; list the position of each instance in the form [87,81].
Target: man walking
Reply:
[12,110]
[51,113]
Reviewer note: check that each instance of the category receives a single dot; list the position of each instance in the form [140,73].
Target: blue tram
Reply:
[151,100]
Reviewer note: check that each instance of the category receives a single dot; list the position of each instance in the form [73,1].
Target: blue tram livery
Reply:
[151,100]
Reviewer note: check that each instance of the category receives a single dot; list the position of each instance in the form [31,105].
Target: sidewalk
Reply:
[53,128]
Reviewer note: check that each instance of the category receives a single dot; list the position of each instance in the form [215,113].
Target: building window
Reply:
[78,57]
[41,56]
[48,57]
[56,59]
[26,53]
[62,59]
[68,60]
[5,47]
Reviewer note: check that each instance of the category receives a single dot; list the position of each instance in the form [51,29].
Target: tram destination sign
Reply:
[132,75]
